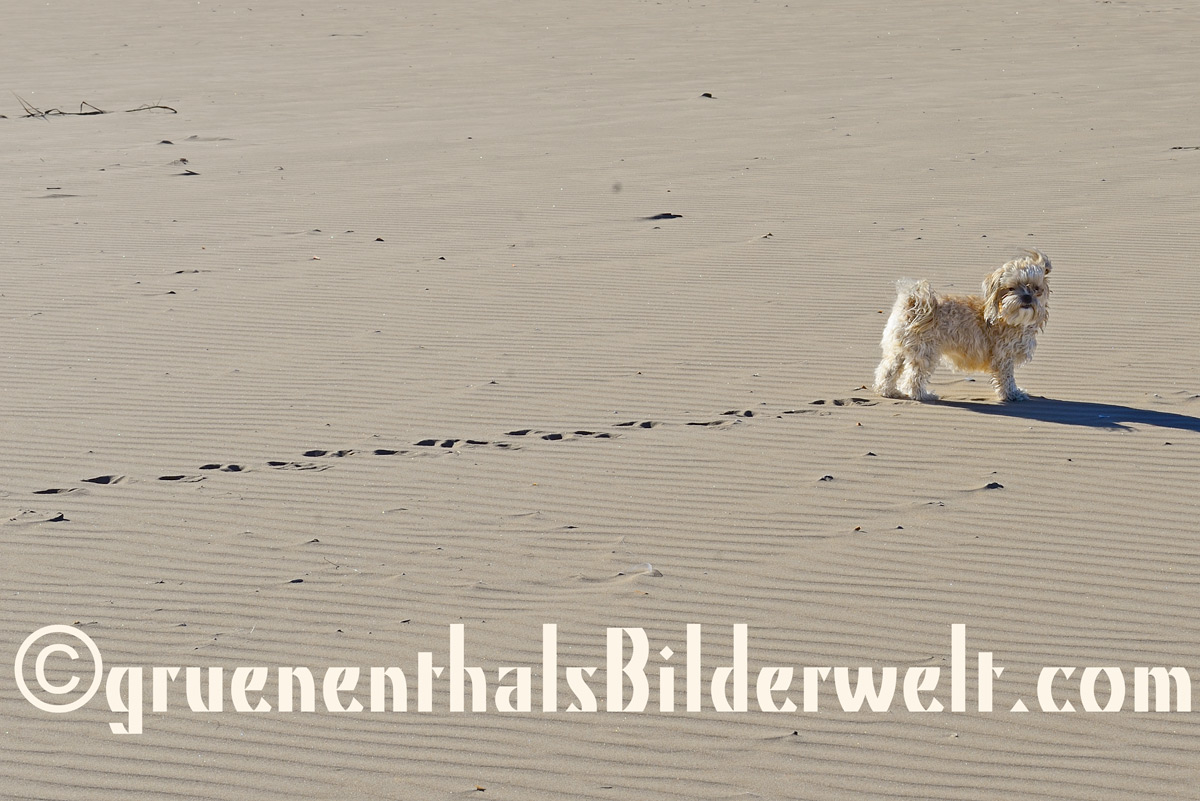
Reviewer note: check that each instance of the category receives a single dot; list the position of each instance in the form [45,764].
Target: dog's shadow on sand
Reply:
[1081,413]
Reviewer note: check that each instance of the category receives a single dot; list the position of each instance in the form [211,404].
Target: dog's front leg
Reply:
[1005,383]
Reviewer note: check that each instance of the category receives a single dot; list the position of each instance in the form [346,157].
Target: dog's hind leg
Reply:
[916,376]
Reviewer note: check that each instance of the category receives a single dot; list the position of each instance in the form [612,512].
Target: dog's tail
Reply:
[915,303]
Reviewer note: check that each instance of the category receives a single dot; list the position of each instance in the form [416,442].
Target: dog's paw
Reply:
[1015,396]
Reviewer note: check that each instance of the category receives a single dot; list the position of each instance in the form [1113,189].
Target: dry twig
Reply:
[34,111]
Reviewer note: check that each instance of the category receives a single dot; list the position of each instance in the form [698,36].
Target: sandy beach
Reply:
[395,319]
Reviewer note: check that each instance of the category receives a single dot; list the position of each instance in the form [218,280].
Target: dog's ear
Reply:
[1040,259]
[991,296]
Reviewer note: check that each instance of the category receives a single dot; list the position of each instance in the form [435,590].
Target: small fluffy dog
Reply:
[989,334]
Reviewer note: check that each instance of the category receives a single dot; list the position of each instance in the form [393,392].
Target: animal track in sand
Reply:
[846,402]
[442,445]
[105,480]
[552,436]
[297,466]
[834,402]
[27,517]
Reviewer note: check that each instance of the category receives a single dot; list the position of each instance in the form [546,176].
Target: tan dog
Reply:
[989,334]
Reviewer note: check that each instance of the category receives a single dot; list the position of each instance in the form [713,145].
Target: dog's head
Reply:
[1017,293]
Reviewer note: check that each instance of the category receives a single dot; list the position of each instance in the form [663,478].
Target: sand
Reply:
[385,331]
